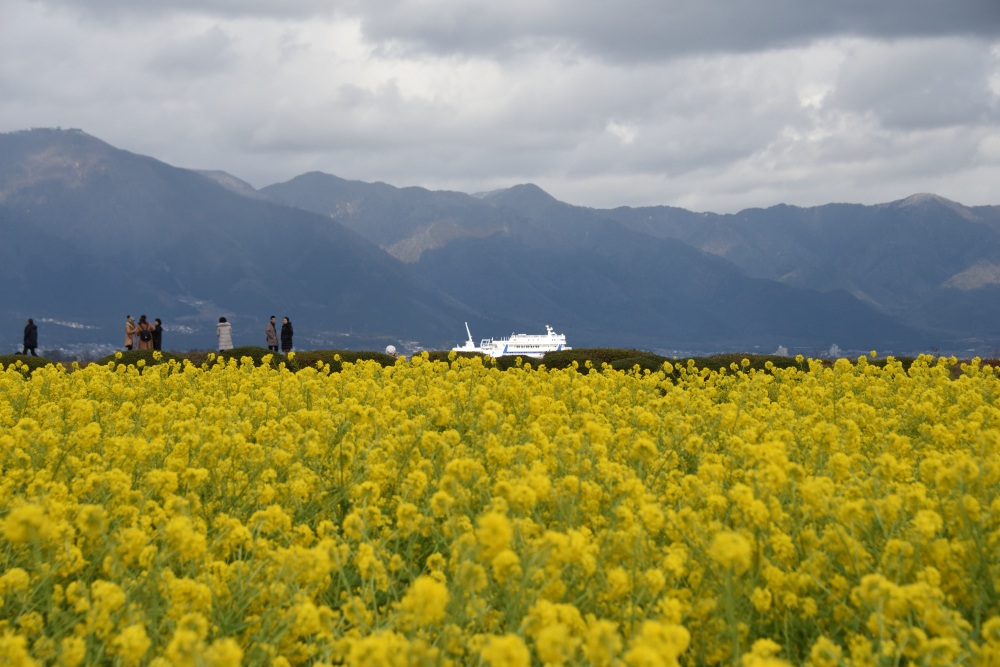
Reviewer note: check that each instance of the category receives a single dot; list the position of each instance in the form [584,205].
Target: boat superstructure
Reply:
[525,345]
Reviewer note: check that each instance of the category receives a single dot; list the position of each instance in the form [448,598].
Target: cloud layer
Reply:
[713,106]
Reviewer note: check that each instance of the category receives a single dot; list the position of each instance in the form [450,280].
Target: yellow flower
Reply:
[824,653]
[14,580]
[187,646]
[14,651]
[928,523]
[440,502]
[493,534]
[224,653]
[107,598]
[619,582]
[183,538]
[385,649]
[657,645]
[991,630]
[407,518]
[506,566]
[90,520]
[762,654]
[26,523]
[555,645]
[603,643]
[187,596]
[73,651]
[415,513]
[731,550]
[425,602]
[31,623]
[761,599]
[506,651]
[131,644]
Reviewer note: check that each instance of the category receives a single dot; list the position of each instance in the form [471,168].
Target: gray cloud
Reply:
[919,84]
[194,56]
[114,10]
[654,29]
[623,30]
[602,104]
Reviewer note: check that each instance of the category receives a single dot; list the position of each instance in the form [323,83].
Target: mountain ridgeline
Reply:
[89,233]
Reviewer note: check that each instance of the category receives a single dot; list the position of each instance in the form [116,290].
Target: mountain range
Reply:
[90,233]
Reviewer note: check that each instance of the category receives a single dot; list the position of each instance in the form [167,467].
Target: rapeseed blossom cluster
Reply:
[448,513]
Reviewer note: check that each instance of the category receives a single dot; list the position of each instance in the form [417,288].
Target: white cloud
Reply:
[624,132]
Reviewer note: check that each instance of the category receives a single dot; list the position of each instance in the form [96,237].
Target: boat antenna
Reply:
[468,332]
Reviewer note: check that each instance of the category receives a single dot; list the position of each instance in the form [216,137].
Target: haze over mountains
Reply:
[89,233]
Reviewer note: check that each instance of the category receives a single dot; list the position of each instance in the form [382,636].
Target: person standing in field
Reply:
[144,331]
[224,330]
[158,334]
[286,335]
[30,338]
[272,335]
[129,332]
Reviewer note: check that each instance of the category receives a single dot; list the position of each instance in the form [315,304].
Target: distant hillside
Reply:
[659,294]
[403,221]
[89,233]
[906,258]
[548,261]
[136,234]
[925,261]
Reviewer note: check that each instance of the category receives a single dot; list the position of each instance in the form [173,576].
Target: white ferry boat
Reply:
[526,345]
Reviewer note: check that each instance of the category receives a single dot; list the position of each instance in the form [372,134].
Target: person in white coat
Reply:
[224,330]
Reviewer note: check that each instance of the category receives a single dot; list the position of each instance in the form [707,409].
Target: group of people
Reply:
[146,335]
[143,335]
[224,332]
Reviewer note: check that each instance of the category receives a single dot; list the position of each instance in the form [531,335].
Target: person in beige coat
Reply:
[144,333]
[271,334]
[129,332]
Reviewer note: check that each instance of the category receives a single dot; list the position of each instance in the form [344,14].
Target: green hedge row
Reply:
[29,362]
[132,357]
[337,358]
[255,353]
[629,359]
[906,361]
[618,359]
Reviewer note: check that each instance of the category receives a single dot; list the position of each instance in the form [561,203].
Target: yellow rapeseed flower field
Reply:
[448,513]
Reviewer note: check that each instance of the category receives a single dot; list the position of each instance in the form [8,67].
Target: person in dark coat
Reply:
[31,338]
[286,335]
[158,334]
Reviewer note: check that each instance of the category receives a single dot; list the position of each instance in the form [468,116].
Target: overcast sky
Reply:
[714,105]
